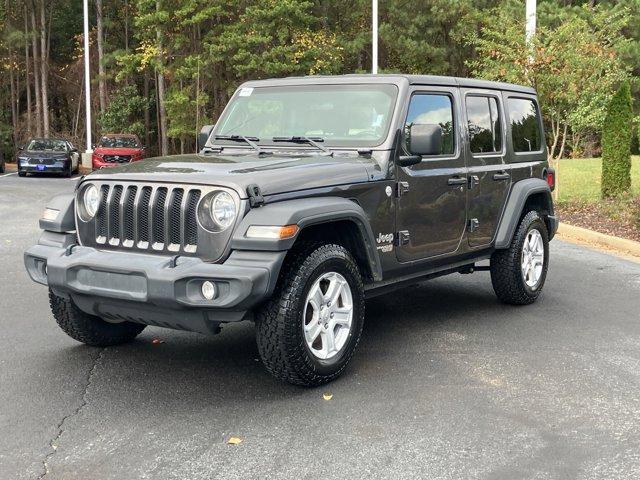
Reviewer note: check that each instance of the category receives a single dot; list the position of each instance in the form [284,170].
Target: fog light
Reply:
[208,290]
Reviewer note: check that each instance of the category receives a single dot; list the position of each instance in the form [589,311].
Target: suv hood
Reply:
[117,151]
[42,154]
[273,174]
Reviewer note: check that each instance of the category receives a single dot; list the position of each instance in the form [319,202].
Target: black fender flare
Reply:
[305,212]
[520,192]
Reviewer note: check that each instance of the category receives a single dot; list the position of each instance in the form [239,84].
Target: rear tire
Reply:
[302,338]
[89,329]
[22,174]
[517,276]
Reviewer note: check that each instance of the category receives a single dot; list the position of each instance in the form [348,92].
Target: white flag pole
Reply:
[374,39]
[530,12]
[87,79]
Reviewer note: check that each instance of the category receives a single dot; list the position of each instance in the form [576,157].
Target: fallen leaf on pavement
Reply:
[157,341]
[327,396]
[234,441]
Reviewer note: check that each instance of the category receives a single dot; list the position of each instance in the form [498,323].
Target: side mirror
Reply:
[425,139]
[74,150]
[203,136]
[20,147]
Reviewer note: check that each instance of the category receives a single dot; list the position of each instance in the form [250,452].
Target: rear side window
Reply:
[525,125]
[485,130]
[434,109]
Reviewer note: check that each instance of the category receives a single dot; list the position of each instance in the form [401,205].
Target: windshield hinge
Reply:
[402,238]
[401,188]
[255,196]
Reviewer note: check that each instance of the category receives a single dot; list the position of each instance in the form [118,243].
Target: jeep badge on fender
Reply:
[308,196]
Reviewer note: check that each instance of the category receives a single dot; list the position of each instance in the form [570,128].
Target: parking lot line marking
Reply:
[7,174]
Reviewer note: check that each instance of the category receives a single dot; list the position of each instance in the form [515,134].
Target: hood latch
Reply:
[255,196]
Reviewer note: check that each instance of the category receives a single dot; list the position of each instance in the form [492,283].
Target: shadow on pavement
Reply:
[225,368]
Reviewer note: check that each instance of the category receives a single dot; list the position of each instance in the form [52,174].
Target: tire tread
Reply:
[90,329]
[280,346]
[506,276]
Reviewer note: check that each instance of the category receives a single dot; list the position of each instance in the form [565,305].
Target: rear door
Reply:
[431,214]
[489,174]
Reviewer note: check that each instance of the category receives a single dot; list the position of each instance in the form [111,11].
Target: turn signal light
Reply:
[275,232]
[50,214]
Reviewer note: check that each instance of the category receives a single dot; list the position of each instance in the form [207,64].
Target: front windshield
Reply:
[47,145]
[119,142]
[341,115]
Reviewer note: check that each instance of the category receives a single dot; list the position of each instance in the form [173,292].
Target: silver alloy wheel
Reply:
[532,260]
[328,315]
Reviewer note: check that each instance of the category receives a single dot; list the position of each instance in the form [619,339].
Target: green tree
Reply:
[616,144]
[574,65]
[124,113]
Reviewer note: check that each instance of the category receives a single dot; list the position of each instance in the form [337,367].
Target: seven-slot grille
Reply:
[148,217]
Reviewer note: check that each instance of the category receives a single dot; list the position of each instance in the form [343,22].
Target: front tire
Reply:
[89,329]
[519,272]
[310,328]
[22,174]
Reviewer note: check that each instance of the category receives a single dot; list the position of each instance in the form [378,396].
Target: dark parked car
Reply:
[48,155]
[2,165]
[114,150]
[308,196]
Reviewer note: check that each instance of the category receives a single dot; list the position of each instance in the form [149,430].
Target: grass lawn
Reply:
[579,179]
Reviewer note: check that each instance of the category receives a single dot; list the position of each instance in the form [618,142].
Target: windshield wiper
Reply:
[313,141]
[241,138]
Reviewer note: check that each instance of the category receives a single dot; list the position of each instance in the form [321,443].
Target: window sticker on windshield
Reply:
[245,92]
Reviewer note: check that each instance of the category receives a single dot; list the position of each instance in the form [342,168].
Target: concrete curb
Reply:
[584,236]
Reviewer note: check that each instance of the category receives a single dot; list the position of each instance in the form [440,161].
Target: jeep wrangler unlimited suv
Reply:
[308,196]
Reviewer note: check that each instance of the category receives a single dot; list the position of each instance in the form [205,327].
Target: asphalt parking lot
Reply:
[447,384]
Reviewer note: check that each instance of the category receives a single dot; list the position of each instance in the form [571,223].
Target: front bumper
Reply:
[57,167]
[155,290]
[98,163]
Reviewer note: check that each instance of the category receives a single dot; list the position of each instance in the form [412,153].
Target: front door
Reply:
[489,174]
[431,214]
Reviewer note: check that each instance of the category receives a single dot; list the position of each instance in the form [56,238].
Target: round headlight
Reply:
[91,200]
[222,210]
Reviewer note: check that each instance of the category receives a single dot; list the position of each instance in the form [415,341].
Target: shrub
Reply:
[616,144]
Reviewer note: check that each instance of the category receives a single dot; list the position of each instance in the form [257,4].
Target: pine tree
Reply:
[616,144]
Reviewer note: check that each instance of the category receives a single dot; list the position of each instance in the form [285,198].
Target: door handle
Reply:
[501,176]
[457,181]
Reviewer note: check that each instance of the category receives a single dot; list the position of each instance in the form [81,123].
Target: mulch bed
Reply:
[618,218]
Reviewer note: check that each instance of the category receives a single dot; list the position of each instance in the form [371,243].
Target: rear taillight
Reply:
[550,176]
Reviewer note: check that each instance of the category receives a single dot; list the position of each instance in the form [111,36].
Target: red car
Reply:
[114,150]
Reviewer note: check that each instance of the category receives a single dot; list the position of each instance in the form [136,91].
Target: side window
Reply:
[485,130]
[525,125]
[435,109]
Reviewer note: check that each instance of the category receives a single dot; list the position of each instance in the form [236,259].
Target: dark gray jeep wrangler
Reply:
[308,196]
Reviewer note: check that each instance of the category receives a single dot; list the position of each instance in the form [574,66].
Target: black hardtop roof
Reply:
[394,78]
